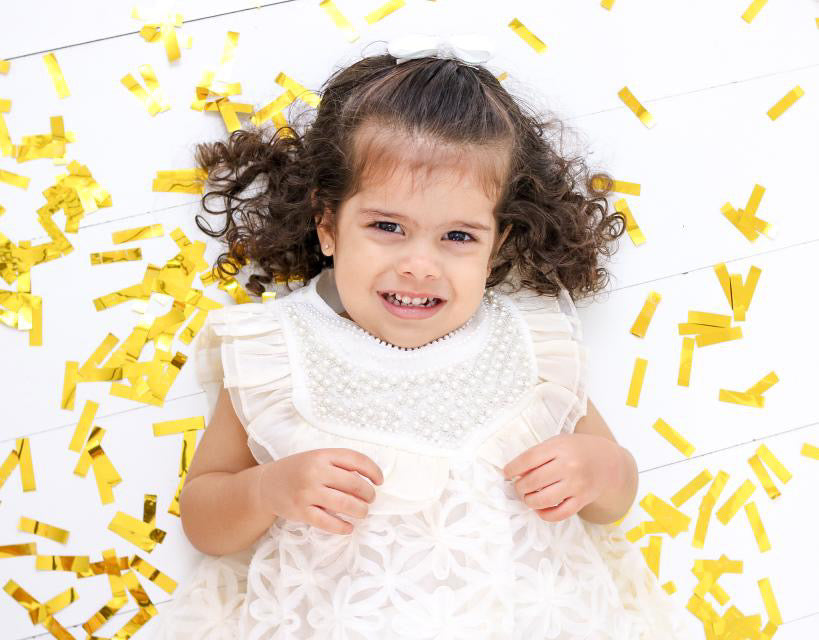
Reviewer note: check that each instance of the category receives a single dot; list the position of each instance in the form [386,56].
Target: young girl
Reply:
[403,446]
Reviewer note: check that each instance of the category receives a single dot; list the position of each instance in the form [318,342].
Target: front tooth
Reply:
[406,299]
[417,301]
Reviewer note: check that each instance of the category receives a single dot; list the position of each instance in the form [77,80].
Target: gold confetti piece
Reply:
[42,529]
[710,319]
[23,453]
[724,280]
[686,357]
[638,109]
[764,479]
[633,229]
[618,186]
[108,257]
[83,426]
[674,438]
[188,448]
[742,397]
[171,427]
[180,181]
[736,219]
[702,479]
[764,384]
[118,600]
[40,613]
[5,65]
[636,385]
[752,10]
[273,108]
[56,75]
[18,550]
[14,179]
[527,36]
[771,607]
[139,533]
[301,92]
[756,525]
[154,575]
[706,506]
[383,11]
[644,317]
[9,465]
[740,295]
[137,233]
[607,4]
[339,20]
[808,450]
[69,385]
[732,504]
[75,564]
[644,528]
[773,463]
[719,335]
[152,99]
[651,553]
[670,587]
[671,519]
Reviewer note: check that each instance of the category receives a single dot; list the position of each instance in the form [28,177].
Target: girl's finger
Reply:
[542,476]
[547,496]
[567,508]
[318,517]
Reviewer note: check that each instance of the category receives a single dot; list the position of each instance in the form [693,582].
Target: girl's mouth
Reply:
[425,309]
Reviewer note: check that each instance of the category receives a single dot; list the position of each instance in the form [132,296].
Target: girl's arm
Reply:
[219,503]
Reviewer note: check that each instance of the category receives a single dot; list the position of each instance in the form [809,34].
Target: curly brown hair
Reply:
[552,214]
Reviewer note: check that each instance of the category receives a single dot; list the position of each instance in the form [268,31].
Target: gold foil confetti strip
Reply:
[49,145]
[618,186]
[137,233]
[651,553]
[108,257]
[773,463]
[18,550]
[180,181]
[146,608]
[636,385]
[188,448]
[745,220]
[638,109]
[644,317]
[719,335]
[771,607]
[76,193]
[527,36]
[706,506]
[9,465]
[670,587]
[673,437]
[752,10]
[23,453]
[808,450]
[684,494]
[298,90]
[37,612]
[69,385]
[151,96]
[739,294]
[141,534]
[742,397]
[91,371]
[764,479]
[5,65]
[764,383]
[273,108]
[383,11]
[76,564]
[633,229]
[686,358]
[162,28]
[644,528]
[14,179]
[172,427]
[56,75]
[339,20]
[118,597]
[786,102]
[149,508]
[756,526]
[6,147]
[28,525]
[672,520]
[711,319]
[607,4]
[161,580]
[733,504]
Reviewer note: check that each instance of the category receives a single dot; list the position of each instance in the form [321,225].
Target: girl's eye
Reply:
[395,224]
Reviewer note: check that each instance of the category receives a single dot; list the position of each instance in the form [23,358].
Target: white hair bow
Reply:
[471,48]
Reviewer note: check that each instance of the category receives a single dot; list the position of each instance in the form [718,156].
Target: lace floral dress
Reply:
[448,550]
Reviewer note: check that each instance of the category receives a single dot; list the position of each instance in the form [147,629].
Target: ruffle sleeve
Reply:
[243,349]
[559,398]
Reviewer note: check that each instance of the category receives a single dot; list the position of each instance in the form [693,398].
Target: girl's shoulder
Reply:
[539,309]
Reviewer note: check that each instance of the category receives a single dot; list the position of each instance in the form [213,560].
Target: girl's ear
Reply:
[325,233]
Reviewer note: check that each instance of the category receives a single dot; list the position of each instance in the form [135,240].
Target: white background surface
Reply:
[707,77]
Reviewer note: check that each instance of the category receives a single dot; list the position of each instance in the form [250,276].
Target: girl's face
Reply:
[437,242]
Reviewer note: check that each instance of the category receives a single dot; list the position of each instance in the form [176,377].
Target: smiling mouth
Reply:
[430,302]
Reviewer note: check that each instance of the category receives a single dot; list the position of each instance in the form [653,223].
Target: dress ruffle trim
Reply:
[244,348]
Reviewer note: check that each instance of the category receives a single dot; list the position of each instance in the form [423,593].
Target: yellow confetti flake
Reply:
[151,96]
[786,102]
[171,427]
[771,607]
[273,108]
[670,587]
[49,531]
[683,495]
[741,294]
[527,36]
[742,397]
[301,92]
[710,319]
[142,534]
[753,9]
[83,426]
[756,526]
[706,507]
[633,229]
[108,257]
[339,19]
[764,384]
[56,75]
[636,385]
[70,384]
[154,575]
[719,335]
[808,450]
[764,479]
[180,181]
[644,528]
[745,220]
[607,4]
[651,553]
[686,358]
[5,66]
[383,11]
[618,186]
[638,109]
[733,504]
[137,233]
[23,454]
[674,438]
[672,520]
[773,463]
[644,317]
[14,179]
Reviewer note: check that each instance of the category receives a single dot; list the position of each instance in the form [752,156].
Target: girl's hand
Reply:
[563,474]
[305,486]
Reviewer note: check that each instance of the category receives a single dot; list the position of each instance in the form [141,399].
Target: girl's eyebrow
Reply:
[398,216]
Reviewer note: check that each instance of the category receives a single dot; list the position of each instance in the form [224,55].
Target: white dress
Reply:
[448,550]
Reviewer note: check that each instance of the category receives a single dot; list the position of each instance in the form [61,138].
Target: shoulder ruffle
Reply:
[242,348]
[560,398]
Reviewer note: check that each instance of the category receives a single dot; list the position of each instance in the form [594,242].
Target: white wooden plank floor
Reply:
[708,78]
